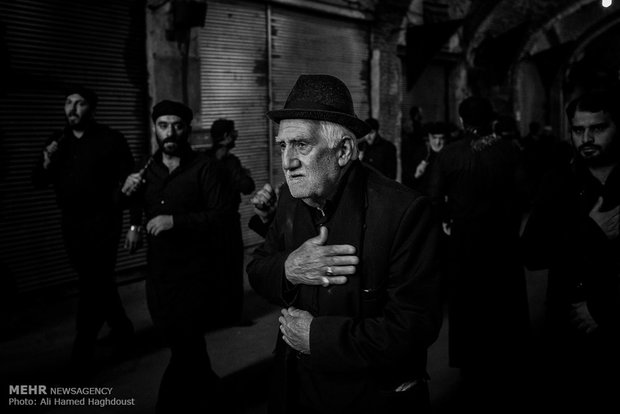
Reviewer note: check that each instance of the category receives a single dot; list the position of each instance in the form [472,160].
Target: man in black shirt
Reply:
[573,232]
[224,135]
[86,162]
[187,205]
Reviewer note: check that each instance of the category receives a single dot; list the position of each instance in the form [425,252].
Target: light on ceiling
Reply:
[606,3]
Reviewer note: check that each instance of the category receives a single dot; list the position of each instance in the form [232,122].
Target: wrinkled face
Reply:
[311,167]
[77,111]
[171,132]
[436,141]
[593,135]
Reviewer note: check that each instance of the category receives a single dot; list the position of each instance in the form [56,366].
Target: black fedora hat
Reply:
[322,98]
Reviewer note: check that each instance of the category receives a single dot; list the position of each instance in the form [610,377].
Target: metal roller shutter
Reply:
[48,44]
[234,86]
[235,75]
[304,42]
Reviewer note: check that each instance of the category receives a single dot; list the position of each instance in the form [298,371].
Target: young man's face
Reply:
[77,111]
[310,166]
[593,135]
[171,132]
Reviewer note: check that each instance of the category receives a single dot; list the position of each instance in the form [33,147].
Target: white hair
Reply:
[334,133]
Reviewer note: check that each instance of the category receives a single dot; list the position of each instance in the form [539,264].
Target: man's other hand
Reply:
[295,328]
[158,224]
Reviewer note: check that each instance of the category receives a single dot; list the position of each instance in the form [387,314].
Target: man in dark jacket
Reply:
[86,163]
[350,258]
[230,296]
[573,231]
[378,152]
[475,183]
[185,204]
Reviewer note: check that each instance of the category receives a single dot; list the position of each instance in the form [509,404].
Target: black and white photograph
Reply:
[310,206]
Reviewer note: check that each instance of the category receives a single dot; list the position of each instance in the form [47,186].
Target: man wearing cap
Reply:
[86,162]
[224,136]
[185,203]
[475,184]
[350,259]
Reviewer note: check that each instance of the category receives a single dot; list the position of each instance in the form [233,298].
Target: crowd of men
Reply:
[360,264]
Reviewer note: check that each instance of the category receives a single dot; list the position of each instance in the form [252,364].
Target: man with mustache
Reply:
[186,203]
[86,162]
[350,258]
[573,232]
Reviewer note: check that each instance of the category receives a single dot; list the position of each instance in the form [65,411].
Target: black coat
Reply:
[560,236]
[183,262]
[370,334]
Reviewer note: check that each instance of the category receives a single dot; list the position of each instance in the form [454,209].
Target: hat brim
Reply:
[356,125]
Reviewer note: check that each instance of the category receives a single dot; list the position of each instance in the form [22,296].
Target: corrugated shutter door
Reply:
[234,86]
[48,44]
[311,43]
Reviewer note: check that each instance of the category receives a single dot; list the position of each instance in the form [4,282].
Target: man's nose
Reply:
[289,159]
[588,136]
[169,132]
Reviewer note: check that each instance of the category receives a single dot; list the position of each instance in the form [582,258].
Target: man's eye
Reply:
[578,130]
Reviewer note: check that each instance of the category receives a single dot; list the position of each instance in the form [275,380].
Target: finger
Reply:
[267,187]
[342,270]
[336,280]
[339,250]
[287,341]
[342,260]
[321,238]
[598,204]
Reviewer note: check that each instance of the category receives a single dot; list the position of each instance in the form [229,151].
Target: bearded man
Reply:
[573,232]
[86,162]
[185,203]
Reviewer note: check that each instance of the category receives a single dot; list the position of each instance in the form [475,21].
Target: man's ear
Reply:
[345,150]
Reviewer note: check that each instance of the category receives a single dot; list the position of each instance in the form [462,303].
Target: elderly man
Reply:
[573,231]
[185,203]
[350,258]
[86,162]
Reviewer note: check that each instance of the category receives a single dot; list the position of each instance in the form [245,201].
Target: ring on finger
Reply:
[329,271]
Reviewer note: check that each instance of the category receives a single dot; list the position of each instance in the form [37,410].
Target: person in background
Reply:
[265,202]
[86,162]
[230,294]
[350,258]
[378,152]
[573,232]
[187,204]
[476,188]
[413,139]
[437,136]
